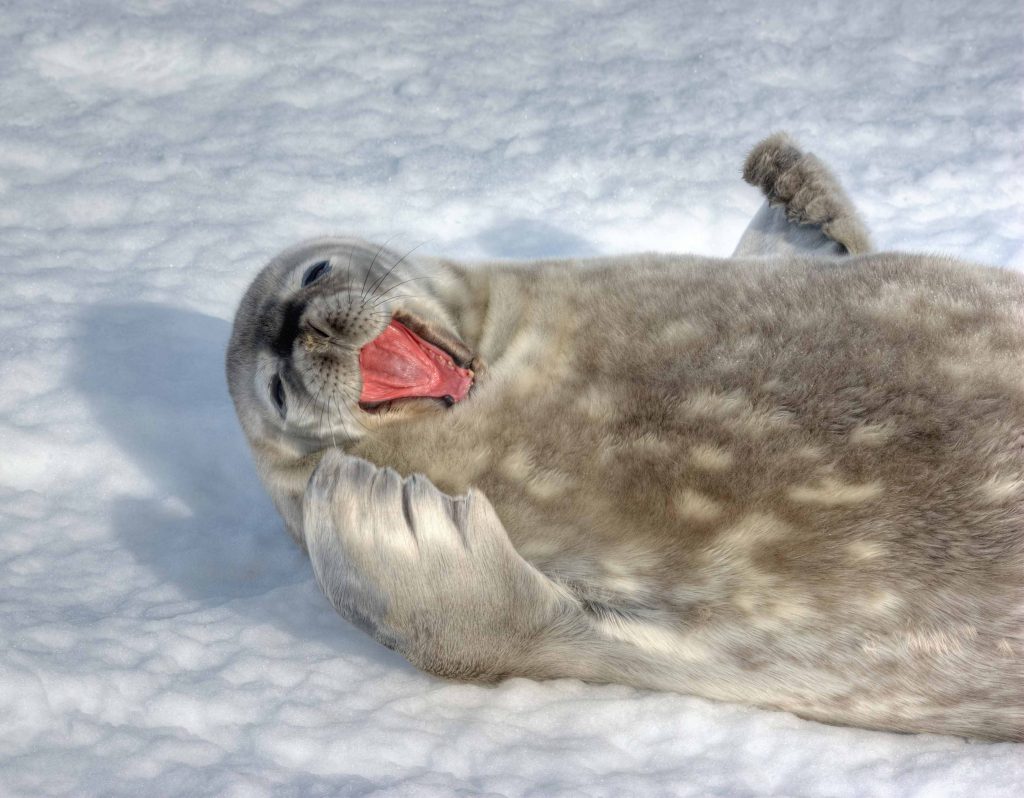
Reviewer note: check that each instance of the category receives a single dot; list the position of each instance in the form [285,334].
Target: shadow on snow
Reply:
[154,377]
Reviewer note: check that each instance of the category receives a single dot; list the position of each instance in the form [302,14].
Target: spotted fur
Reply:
[793,479]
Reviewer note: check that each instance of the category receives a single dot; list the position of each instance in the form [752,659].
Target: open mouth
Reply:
[402,364]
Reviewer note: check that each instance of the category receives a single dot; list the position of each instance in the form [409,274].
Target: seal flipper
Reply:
[436,578]
[431,576]
[805,211]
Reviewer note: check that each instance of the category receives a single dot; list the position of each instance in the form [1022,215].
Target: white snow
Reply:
[159,633]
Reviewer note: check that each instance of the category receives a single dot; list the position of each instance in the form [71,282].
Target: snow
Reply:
[159,633]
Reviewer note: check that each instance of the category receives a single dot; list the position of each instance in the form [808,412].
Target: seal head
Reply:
[335,338]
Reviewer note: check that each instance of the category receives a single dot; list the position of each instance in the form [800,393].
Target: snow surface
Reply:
[159,632]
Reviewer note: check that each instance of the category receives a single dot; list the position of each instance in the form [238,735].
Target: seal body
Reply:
[803,481]
[794,480]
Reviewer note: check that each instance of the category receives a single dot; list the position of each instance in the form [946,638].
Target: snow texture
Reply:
[159,633]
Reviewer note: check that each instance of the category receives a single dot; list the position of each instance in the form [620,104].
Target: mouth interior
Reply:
[399,364]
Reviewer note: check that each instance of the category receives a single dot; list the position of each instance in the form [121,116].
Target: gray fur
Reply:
[793,481]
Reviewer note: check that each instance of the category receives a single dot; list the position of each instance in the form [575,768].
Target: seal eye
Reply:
[315,272]
[277,394]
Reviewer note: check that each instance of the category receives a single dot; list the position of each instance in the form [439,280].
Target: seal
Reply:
[792,478]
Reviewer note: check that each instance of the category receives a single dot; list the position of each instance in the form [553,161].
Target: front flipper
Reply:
[805,212]
[431,576]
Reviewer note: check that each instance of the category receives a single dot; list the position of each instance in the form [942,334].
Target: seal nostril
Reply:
[317,330]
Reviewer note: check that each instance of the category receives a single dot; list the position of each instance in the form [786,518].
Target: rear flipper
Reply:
[806,211]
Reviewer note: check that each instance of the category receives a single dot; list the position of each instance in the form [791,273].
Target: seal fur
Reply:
[792,478]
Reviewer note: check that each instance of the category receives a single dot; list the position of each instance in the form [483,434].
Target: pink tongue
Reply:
[398,364]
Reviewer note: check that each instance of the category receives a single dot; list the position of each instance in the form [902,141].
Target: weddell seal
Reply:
[792,478]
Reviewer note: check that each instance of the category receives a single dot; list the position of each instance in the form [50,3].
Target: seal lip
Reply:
[425,402]
[446,341]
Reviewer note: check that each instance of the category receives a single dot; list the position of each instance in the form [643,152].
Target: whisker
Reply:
[349,391]
[311,403]
[398,285]
[320,420]
[344,426]
[370,267]
[399,296]
[394,266]
[334,441]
